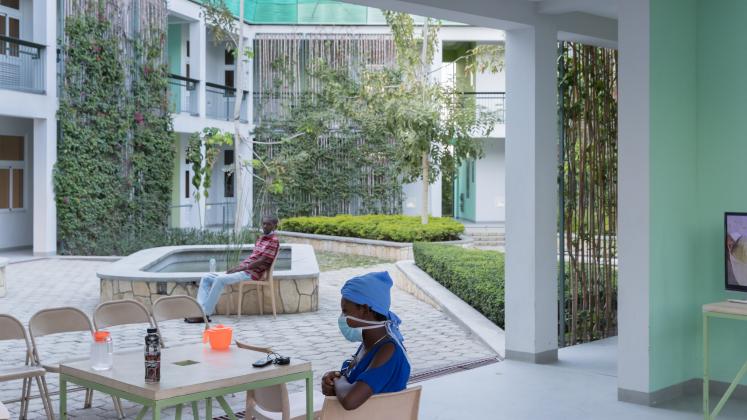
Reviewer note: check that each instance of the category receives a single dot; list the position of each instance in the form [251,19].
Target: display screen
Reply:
[735,251]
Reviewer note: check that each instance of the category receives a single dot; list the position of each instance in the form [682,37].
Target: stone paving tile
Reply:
[432,338]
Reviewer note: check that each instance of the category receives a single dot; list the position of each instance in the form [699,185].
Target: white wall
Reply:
[16,226]
[490,188]
[215,61]
[412,198]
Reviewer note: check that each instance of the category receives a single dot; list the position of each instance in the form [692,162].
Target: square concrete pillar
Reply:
[198,55]
[531,195]
[45,208]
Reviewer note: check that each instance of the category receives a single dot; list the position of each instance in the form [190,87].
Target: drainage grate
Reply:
[447,370]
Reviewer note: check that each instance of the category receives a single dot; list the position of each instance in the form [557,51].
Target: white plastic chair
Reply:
[403,405]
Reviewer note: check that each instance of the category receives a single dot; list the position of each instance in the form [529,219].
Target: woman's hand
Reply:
[328,382]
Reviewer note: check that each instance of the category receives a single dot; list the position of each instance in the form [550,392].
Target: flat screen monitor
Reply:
[735,251]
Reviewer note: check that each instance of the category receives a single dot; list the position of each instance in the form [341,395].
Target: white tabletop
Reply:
[215,369]
[731,308]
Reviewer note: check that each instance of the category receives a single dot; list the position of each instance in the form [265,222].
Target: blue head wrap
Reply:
[372,289]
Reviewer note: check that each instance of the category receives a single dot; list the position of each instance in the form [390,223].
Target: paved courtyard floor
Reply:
[433,339]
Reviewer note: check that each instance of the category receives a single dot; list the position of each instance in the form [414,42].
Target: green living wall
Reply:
[698,145]
[115,151]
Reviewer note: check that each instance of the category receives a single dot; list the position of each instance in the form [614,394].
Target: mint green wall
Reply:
[698,155]
[674,317]
[174,47]
[463,177]
[722,160]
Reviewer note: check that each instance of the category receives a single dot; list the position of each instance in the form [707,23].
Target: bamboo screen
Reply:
[588,205]
[282,64]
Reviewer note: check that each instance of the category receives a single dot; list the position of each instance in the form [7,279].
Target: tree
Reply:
[429,121]
[202,152]
[226,28]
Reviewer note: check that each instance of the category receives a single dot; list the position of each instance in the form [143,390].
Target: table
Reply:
[724,310]
[214,374]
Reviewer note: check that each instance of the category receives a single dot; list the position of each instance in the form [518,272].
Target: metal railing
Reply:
[183,95]
[220,215]
[275,106]
[489,102]
[220,101]
[21,65]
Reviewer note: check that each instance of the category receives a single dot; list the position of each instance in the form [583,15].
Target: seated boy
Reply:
[252,268]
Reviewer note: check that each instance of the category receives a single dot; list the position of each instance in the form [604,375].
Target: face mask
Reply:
[355,335]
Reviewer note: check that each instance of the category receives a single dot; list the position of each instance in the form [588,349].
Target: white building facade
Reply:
[202,94]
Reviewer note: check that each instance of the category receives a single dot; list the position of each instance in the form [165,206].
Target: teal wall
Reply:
[722,160]
[674,317]
[174,47]
[698,156]
[463,177]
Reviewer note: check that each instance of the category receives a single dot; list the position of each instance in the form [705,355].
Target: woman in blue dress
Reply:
[380,364]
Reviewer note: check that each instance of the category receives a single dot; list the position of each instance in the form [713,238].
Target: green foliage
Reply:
[115,153]
[203,150]
[476,276]
[395,228]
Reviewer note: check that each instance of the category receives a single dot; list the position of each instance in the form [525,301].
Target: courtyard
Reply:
[433,339]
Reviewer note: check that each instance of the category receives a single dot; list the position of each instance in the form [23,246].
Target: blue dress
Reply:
[392,376]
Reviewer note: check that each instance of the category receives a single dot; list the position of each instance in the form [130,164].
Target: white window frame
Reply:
[17,164]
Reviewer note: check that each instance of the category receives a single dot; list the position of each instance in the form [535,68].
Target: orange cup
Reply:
[219,337]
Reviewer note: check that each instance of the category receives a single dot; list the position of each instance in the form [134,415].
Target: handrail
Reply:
[224,87]
[481,93]
[182,78]
[22,42]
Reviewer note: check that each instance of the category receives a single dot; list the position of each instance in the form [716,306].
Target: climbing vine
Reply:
[115,149]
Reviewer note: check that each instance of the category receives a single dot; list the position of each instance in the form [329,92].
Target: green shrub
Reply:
[476,276]
[395,228]
[126,243]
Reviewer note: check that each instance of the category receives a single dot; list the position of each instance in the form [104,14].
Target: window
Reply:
[12,168]
[229,78]
[188,76]
[13,4]
[9,26]
[228,58]
[186,184]
[187,48]
[228,184]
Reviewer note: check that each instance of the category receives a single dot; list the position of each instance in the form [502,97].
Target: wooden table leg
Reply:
[226,408]
[208,408]
[141,413]
[195,411]
[156,412]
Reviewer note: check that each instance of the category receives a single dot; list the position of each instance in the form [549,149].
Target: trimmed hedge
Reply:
[395,228]
[476,276]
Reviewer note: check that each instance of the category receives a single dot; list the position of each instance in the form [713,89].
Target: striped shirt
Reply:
[266,248]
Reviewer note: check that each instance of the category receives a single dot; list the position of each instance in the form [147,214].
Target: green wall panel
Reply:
[698,152]
[174,47]
[674,317]
[722,158]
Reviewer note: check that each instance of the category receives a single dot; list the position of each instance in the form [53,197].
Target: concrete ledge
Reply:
[546,357]
[416,281]
[691,387]
[388,250]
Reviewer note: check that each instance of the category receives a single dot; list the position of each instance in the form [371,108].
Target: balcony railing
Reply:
[183,94]
[220,101]
[275,106]
[21,65]
[489,102]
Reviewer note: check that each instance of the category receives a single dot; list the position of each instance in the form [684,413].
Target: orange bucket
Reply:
[219,337]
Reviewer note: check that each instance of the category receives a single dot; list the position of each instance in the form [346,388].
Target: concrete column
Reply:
[45,210]
[633,236]
[246,148]
[198,56]
[531,195]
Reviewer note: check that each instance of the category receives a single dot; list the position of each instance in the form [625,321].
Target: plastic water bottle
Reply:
[102,350]
[212,265]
